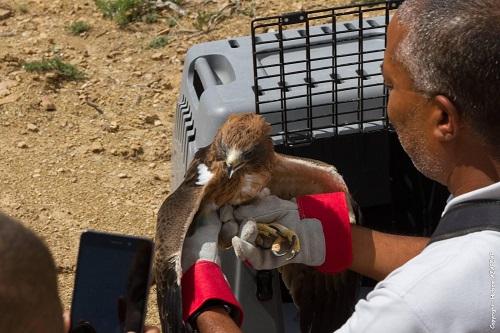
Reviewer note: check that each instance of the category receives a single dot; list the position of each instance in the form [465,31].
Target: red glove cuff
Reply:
[203,282]
[332,210]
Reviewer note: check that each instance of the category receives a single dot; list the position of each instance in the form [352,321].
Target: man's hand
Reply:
[272,209]
[321,222]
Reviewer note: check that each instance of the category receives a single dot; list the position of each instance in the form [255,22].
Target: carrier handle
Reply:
[204,77]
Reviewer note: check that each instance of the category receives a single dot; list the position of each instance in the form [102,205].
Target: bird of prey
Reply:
[237,167]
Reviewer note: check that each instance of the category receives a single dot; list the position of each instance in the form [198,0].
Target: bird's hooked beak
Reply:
[230,170]
[233,162]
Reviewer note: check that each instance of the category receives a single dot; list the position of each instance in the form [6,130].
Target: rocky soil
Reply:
[95,153]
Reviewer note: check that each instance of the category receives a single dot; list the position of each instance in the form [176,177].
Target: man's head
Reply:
[442,65]
[29,301]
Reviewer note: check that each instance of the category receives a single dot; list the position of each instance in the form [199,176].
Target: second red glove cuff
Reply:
[333,212]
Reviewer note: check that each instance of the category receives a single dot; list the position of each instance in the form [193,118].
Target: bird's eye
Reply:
[248,154]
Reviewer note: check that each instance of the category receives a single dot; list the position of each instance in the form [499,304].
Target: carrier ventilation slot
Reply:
[350,26]
[234,43]
[186,131]
[326,30]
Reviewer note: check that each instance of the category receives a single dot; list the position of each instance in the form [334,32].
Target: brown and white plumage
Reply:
[233,170]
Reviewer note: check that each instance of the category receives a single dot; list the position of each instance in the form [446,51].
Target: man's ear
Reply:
[445,118]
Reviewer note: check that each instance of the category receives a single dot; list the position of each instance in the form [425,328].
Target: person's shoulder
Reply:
[446,288]
[450,279]
[450,259]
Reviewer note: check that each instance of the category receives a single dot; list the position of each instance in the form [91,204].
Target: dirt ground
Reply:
[95,153]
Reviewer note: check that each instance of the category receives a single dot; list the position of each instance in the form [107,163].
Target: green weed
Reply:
[150,18]
[172,22]
[158,42]
[124,12]
[203,19]
[78,27]
[64,70]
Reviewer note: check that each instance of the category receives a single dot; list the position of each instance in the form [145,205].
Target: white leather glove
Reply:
[202,244]
[272,209]
[203,280]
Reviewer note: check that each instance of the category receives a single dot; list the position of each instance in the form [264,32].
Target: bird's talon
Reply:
[293,255]
[284,241]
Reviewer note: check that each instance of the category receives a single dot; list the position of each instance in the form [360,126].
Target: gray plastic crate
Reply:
[309,81]
[344,91]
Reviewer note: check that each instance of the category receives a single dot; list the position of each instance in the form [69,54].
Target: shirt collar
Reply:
[489,192]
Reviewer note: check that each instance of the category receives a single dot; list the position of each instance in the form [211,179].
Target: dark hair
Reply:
[453,48]
[29,300]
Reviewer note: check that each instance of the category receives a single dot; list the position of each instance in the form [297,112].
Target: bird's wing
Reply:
[294,176]
[174,219]
[325,301]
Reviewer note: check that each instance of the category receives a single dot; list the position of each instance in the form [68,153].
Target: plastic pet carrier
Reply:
[316,77]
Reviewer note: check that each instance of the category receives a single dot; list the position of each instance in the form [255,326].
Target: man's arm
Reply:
[376,254]
[368,252]
[216,320]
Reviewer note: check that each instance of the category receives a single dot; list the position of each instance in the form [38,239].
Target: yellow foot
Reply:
[279,239]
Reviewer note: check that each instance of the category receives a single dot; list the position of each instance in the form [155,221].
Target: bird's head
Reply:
[243,142]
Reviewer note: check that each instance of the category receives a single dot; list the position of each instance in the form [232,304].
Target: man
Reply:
[442,67]
[29,300]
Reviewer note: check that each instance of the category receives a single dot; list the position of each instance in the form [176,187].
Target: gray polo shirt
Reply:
[450,287]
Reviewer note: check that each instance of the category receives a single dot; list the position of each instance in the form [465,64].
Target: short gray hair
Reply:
[453,48]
